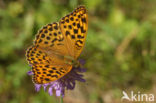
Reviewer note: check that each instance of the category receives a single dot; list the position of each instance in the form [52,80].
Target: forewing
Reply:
[51,40]
[74,29]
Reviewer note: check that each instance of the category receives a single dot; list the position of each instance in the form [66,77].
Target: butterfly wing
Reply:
[45,73]
[74,29]
[51,40]
[46,69]
[47,54]
[36,56]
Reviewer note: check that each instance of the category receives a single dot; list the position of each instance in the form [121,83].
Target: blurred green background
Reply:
[120,50]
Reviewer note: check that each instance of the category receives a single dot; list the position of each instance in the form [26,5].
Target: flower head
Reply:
[66,82]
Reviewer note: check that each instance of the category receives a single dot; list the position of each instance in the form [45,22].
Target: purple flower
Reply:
[66,82]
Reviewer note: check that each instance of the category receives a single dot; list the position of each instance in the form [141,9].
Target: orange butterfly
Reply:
[57,47]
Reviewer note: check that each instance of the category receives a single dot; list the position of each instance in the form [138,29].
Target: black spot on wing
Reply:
[54,76]
[82,30]
[67,33]
[83,20]
[75,31]
[80,37]
[42,35]
[47,79]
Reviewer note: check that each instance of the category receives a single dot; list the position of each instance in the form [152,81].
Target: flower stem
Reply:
[61,99]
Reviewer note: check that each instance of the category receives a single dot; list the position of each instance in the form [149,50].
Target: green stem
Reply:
[61,99]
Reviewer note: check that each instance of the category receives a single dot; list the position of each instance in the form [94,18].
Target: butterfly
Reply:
[57,47]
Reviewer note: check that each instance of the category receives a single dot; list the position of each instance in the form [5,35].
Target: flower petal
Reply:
[45,86]
[30,73]
[82,61]
[50,91]
[37,87]
[58,92]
